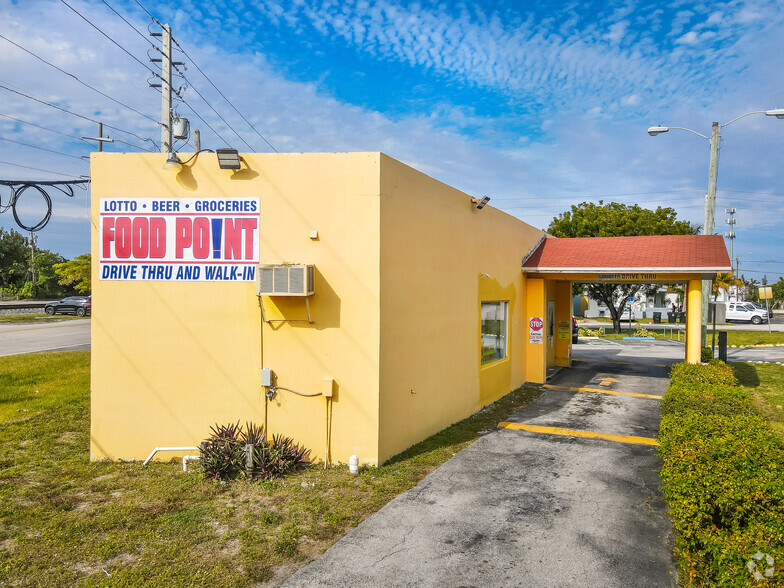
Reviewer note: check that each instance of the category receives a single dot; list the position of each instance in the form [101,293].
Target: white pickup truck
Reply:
[739,311]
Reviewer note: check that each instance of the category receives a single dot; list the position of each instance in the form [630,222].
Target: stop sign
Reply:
[536,323]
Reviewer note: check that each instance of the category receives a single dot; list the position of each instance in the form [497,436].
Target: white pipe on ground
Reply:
[157,449]
[186,459]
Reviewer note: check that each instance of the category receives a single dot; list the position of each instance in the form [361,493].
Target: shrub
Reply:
[703,374]
[585,332]
[224,453]
[706,354]
[722,477]
[643,332]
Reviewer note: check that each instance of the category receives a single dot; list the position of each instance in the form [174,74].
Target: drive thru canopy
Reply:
[662,259]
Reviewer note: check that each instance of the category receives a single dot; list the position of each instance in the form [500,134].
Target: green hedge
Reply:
[723,473]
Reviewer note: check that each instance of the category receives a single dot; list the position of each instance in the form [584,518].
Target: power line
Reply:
[147,11]
[212,84]
[42,127]
[75,114]
[73,136]
[131,55]
[594,196]
[41,148]
[224,97]
[154,73]
[40,170]
[205,122]
[86,85]
[212,108]
[147,40]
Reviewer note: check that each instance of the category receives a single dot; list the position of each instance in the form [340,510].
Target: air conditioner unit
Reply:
[285,280]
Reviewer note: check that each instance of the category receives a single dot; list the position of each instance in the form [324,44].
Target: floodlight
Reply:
[228,158]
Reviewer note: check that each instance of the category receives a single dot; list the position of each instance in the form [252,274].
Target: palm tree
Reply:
[723,281]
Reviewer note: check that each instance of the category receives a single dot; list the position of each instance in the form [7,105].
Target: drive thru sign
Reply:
[183,239]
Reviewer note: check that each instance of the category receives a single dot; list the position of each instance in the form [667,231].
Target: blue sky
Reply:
[539,105]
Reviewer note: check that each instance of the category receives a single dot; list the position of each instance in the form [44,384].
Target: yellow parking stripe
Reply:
[574,433]
[603,391]
[622,362]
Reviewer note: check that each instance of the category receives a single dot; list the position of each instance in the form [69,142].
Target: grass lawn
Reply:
[38,317]
[736,338]
[66,521]
[749,337]
[766,383]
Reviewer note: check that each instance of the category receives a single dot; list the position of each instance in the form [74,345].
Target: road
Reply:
[34,338]
[563,493]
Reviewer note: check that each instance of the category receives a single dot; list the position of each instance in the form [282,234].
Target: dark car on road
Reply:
[78,305]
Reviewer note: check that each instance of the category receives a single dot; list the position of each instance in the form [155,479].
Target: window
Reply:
[494,331]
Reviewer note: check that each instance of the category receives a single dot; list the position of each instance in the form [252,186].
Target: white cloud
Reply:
[631,100]
[689,38]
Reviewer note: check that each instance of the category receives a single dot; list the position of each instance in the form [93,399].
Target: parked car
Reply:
[754,305]
[78,305]
[575,330]
[738,311]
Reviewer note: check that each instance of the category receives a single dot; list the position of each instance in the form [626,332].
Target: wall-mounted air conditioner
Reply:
[285,280]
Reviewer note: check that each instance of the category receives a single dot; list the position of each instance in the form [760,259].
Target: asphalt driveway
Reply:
[565,493]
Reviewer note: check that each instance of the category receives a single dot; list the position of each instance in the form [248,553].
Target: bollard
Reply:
[723,346]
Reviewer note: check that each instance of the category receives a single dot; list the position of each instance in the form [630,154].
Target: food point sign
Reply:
[179,240]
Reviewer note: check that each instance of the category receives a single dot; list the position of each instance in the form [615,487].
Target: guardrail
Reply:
[22,306]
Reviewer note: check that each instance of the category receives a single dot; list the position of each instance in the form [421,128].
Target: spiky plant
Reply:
[286,454]
[222,455]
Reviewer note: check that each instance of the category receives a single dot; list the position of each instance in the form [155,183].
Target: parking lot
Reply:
[563,493]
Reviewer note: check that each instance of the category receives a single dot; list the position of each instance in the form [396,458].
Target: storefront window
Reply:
[494,331]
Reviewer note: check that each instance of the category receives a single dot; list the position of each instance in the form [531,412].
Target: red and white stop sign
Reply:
[536,323]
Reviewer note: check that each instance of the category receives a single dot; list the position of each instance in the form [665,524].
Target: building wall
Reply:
[403,263]
[171,359]
[440,258]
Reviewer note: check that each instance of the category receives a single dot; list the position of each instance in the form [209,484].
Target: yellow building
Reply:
[416,312]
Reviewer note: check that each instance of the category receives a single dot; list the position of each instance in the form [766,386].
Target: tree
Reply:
[778,292]
[47,283]
[723,281]
[589,219]
[75,272]
[14,260]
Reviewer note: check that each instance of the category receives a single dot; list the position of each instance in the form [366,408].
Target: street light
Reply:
[710,197]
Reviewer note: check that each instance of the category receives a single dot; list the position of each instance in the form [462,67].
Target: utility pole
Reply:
[710,207]
[32,257]
[166,91]
[196,140]
[731,235]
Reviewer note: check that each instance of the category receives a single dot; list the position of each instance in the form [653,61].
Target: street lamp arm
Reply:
[743,115]
[694,132]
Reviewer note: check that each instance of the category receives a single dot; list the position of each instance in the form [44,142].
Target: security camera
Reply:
[480,204]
